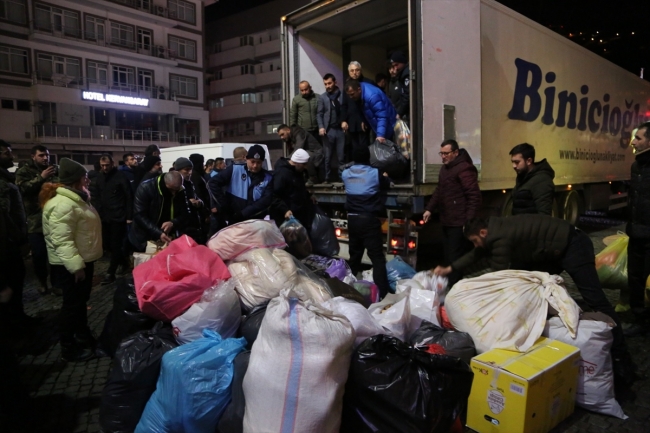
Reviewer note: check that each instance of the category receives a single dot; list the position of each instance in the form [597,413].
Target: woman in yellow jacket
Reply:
[73,235]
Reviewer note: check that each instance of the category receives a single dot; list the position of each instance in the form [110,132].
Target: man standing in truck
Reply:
[457,198]
[329,125]
[376,108]
[399,90]
[534,188]
[638,229]
[304,108]
[351,114]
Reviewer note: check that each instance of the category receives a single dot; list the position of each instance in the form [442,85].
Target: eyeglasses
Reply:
[445,153]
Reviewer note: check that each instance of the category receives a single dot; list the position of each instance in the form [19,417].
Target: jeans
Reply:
[333,140]
[455,246]
[73,317]
[39,256]
[638,269]
[115,235]
[365,233]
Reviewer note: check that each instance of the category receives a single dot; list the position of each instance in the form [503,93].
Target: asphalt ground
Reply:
[65,397]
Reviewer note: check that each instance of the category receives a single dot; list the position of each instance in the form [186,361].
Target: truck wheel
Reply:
[571,206]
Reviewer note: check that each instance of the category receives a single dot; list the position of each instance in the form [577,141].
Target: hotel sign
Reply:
[116,99]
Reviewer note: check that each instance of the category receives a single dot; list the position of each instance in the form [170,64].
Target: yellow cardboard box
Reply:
[530,392]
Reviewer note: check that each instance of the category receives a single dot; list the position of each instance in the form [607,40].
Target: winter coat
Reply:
[399,93]
[301,139]
[29,180]
[303,111]
[151,198]
[378,111]
[517,241]
[240,194]
[457,197]
[324,112]
[114,198]
[351,111]
[534,191]
[195,222]
[365,190]
[13,222]
[291,194]
[72,229]
[638,225]
[130,176]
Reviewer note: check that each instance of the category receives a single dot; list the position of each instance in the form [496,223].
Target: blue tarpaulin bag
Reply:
[397,270]
[193,389]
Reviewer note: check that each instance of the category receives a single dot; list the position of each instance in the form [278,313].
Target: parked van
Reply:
[209,151]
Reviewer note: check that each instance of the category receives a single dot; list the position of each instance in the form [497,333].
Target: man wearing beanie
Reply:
[73,234]
[243,191]
[195,223]
[365,202]
[297,138]
[151,167]
[292,196]
[399,84]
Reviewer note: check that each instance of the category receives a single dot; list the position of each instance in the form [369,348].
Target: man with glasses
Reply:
[457,198]
[161,210]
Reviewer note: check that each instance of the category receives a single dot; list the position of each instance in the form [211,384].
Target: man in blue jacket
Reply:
[376,107]
[365,190]
[243,190]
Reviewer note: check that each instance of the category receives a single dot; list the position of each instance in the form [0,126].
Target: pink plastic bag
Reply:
[174,279]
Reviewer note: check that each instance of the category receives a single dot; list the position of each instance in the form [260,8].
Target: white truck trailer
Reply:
[489,78]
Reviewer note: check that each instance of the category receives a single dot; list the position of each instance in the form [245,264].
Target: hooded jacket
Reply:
[638,225]
[303,111]
[29,180]
[534,191]
[291,194]
[72,229]
[378,111]
[457,197]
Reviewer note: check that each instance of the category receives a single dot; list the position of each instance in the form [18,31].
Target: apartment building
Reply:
[244,91]
[85,77]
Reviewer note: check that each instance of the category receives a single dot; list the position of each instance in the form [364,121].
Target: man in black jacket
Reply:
[114,202]
[534,189]
[542,243]
[352,111]
[399,91]
[244,191]
[638,229]
[292,196]
[160,211]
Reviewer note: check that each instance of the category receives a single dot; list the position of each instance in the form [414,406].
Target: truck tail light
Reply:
[338,233]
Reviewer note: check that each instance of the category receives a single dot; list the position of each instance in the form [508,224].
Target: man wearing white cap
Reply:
[291,194]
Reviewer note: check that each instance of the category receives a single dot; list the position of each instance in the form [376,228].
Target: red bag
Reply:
[175,278]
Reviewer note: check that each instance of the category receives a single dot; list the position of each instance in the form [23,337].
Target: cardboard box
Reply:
[528,392]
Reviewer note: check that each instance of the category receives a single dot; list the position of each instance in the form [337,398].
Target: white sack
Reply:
[507,309]
[596,377]
[435,283]
[424,304]
[365,326]
[298,369]
[367,276]
[218,309]
[238,238]
[394,314]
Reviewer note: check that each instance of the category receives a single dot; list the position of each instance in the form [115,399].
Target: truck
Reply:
[487,77]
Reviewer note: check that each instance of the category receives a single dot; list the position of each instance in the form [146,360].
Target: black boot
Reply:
[73,352]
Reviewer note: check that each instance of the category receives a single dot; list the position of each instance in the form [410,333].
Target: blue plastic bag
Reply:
[397,270]
[193,389]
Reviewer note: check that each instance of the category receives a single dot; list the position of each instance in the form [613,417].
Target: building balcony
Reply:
[232,57]
[268,49]
[245,83]
[144,10]
[246,111]
[108,137]
[268,79]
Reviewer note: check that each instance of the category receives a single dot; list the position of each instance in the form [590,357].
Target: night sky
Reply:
[623,26]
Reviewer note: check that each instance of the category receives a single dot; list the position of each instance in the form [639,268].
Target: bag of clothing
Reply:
[394,313]
[398,269]
[296,237]
[387,158]
[238,238]
[133,378]
[338,268]
[364,324]
[424,304]
[596,377]
[393,387]
[173,280]
[323,235]
[218,309]
[340,289]
[611,264]
[298,368]
[125,319]
[434,283]
[193,389]
[458,344]
[368,290]
[507,309]
[232,420]
[403,138]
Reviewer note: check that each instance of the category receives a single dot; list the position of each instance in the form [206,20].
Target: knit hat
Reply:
[197,159]
[70,171]
[182,163]
[149,162]
[300,156]
[398,57]
[361,155]
[256,152]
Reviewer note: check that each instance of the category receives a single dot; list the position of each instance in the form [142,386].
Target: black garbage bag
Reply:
[232,420]
[250,325]
[125,318]
[323,236]
[296,237]
[395,388]
[339,288]
[133,379]
[455,343]
[387,158]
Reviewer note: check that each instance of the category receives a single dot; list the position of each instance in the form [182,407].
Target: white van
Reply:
[209,151]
